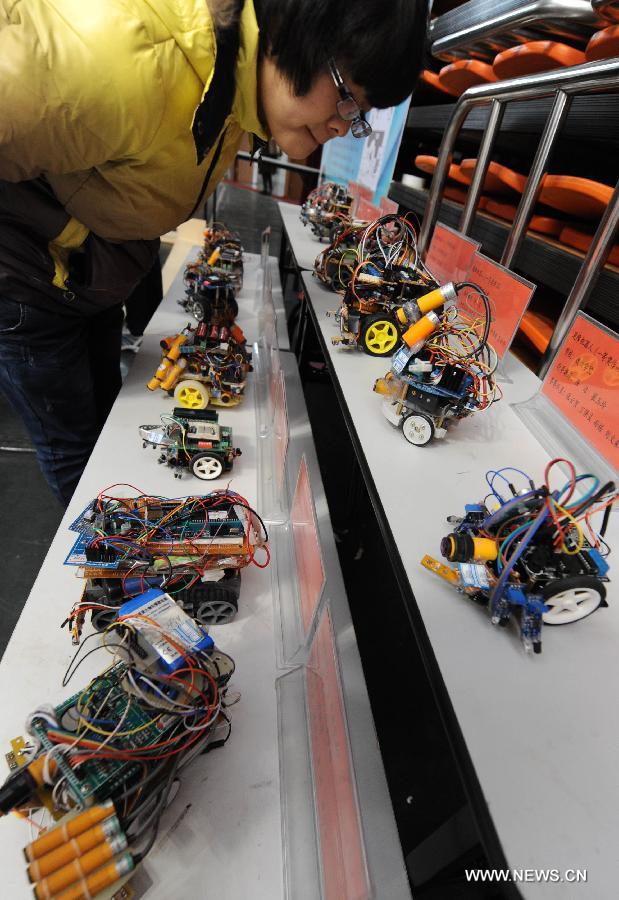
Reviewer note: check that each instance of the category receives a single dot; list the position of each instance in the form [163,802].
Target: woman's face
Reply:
[300,124]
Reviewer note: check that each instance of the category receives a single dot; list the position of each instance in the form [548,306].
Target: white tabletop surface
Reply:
[305,245]
[542,731]
[229,841]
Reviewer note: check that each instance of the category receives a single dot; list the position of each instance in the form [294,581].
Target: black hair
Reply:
[377,44]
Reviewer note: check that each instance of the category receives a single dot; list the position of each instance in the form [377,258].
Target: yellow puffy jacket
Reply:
[105,104]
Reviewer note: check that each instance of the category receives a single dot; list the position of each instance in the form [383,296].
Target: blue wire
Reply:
[586,497]
[508,541]
[497,473]
[507,504]
[533,529]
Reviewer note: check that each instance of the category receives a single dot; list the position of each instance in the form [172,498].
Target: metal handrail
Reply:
[585,280]
[278,163]
[588,78]
[482,22]
[564,84]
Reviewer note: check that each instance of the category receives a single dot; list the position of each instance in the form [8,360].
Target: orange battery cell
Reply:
[80,868]
[236,332]
[604,44]
[77,846]
[104,877]
[67,830]
[535,56]
[213,257]
[466,73]
[417,334]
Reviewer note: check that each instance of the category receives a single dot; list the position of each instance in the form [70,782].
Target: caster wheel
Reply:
[418,429]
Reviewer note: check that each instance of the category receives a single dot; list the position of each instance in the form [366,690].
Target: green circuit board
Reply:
[97,780]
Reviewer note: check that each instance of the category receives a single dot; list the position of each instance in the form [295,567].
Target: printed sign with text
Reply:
[367,211]
[583,383]
[450,255]
[342,855]
[388,207]
[509,297]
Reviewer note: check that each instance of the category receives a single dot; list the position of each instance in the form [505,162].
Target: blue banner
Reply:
[370,161]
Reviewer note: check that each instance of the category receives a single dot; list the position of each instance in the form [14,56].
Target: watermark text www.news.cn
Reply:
[531,876]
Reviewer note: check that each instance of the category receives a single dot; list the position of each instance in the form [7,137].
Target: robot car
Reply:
[443,371]
[192,440]
[325,209]
[528,558]
[204,365]
[377,270]
[209,297]
[194,547]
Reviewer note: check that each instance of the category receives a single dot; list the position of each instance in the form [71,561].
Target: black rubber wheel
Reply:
[233,307]
[201,310]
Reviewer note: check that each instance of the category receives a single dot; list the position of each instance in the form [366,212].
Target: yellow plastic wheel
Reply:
[379,336]
[191,394]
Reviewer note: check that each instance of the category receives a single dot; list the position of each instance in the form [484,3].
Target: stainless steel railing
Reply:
[563,84]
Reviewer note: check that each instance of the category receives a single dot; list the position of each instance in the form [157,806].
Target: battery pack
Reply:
[157,617]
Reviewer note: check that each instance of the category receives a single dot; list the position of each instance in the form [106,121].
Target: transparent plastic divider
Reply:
[273,436]
[266,355]
[302,877]
[501,375]
[298,572]
[265,246]
[322,832]
[576,410]
[291,643]
[559,438]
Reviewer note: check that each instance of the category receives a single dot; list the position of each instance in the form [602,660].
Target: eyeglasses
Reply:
[347,107]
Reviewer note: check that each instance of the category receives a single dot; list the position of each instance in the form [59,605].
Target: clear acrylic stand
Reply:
[273,439]
[583,379]
[323,841]
[501,375]
[559,437]
[271,412]
[291,644]
[302,879]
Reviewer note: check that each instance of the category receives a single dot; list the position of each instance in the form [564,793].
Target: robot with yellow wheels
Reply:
[204,365]
[371,314]
[444,368]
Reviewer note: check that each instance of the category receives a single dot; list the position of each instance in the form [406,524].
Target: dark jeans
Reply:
[61,375]
[142,305]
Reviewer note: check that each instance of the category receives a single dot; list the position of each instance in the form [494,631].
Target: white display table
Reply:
[305,246]
[222,834]
[540,731]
